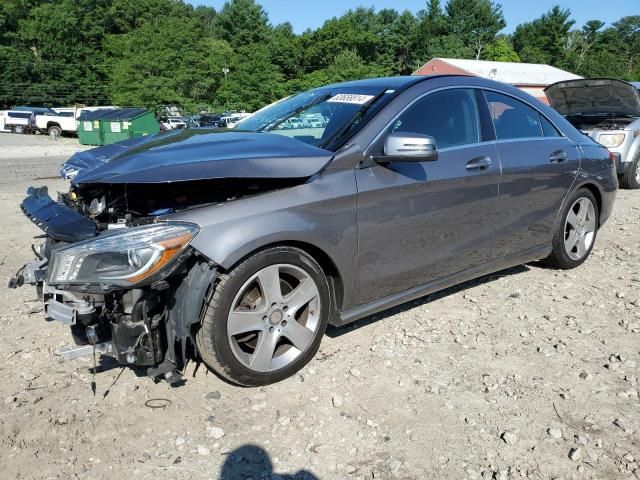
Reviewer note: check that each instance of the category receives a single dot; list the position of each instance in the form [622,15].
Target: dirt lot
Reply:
[532,373]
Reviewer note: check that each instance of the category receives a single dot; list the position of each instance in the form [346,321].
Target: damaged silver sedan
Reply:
[239,247]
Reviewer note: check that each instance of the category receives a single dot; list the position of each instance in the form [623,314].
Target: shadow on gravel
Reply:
[335,332]
[251,461]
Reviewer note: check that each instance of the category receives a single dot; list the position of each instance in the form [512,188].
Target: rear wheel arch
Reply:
[577,233]
[595,190]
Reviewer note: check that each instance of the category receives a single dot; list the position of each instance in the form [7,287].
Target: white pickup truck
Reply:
[56,124]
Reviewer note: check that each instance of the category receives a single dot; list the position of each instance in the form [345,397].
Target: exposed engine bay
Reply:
[135,204]
[599,122]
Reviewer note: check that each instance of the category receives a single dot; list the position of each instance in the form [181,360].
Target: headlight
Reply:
[124,258]
[611,139]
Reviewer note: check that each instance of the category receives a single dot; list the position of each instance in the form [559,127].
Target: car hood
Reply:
[196,154]
[594,96]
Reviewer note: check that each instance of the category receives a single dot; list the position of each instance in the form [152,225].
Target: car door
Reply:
[539,165]
[418,221]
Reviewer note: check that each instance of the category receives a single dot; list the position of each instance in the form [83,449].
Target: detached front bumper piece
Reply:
[59,222]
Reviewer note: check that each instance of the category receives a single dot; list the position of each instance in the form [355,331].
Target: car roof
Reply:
[399,83]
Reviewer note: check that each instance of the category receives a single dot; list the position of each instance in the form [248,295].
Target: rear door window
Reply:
[512,118]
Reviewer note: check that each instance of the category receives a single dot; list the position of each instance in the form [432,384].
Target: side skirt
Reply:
[535,253]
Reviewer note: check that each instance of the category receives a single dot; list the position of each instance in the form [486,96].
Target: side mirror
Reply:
[409,147]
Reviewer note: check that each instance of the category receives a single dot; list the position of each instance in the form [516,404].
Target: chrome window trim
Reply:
[488,142]
[506,140]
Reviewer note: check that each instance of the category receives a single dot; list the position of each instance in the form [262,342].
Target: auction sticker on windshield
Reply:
[353,98]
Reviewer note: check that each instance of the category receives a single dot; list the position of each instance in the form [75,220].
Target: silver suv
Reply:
[608,111]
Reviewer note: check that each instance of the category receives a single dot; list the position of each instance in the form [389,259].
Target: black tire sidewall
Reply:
[629,178]
[559,252]
[218,334]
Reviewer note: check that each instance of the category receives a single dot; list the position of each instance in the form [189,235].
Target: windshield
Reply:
[317,117]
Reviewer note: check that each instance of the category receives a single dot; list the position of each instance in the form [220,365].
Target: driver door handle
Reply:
[478,164]
[558,156]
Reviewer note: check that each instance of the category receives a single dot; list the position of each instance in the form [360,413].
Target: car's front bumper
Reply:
[59,222]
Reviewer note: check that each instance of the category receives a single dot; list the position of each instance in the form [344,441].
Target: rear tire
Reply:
[576,233]
[631,178]
[278,327]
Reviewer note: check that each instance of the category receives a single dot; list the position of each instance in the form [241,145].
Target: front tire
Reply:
[631,178]
[576,233]
[265,319]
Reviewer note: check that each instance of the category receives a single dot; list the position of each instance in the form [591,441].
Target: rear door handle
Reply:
[478,164]
[558,157]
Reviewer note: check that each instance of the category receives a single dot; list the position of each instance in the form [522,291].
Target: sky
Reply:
[304,14]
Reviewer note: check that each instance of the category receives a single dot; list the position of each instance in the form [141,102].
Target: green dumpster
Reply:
[89,127]
[126,123]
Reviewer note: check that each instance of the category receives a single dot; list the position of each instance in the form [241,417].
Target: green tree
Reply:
[475,22]
[242,22]
[60,43]
[628,29]
[166,61]
[500,50]
[581,42]
[430,26]
[356,30]
[127,15]
[253,81]
[152,52]
[396,55]
[285,50]
[347,65]
[544,40]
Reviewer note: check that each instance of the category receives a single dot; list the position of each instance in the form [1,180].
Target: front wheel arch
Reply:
[327,264]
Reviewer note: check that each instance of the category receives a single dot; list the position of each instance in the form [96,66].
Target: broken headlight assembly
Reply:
[125,258]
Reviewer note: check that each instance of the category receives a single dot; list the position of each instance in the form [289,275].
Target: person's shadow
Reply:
[253,462]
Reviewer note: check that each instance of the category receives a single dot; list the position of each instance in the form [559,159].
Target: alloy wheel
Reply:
[274,317]
[638,172]
[580,228]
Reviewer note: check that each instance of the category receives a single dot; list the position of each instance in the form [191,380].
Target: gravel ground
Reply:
[530,373]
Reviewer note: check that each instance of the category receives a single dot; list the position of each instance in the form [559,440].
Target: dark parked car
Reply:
[209,120]
[240,247]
